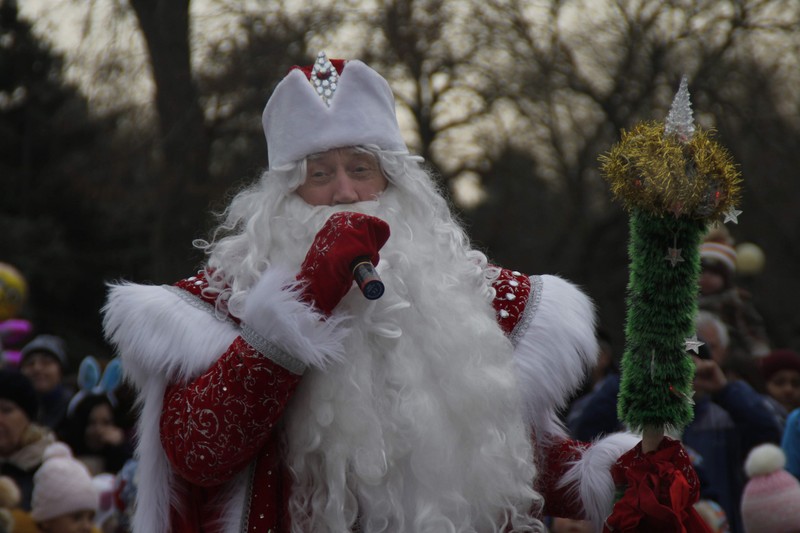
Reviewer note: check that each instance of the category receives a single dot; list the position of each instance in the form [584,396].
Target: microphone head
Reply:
[368,280]
[373,289]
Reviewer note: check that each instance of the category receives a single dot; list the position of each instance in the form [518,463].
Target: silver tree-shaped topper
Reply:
[680,120]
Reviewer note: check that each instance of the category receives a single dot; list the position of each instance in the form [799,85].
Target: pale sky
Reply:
[90,34]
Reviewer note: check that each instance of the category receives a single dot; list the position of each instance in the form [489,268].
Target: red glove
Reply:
[327,269]
[660,487]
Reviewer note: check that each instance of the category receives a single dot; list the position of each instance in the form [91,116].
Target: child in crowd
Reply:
[771,499]
[93,432]
[44,361]
[781,371]
[720,295]
[64,498]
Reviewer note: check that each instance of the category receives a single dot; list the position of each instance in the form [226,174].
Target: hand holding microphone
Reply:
[346,248]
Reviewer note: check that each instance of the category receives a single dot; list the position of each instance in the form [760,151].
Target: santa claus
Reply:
[276,397]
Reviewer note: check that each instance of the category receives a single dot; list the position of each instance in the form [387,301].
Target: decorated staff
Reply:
[673,179]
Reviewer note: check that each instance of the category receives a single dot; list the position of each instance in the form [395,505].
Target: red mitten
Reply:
[660,490]
[327,268]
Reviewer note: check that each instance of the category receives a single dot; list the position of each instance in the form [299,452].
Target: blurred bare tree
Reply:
[528,94]
[520,96]
[242,69]
[183,141]
[63,173]
[583,71]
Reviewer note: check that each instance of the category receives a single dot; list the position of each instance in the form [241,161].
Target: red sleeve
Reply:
[554,462]
[215,425]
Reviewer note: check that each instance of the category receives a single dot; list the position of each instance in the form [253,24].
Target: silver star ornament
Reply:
[693,345]
[674,256]
[732,215]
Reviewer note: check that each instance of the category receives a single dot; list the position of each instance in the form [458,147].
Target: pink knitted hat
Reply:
[62,485]
[771,499]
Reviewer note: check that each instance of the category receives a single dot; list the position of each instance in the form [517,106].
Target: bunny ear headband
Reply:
[91,381]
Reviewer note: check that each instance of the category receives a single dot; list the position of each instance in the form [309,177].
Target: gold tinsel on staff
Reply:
[662,175]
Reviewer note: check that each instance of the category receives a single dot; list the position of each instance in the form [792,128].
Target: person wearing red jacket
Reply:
[277,397]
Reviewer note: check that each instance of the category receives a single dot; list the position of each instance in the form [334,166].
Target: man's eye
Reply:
[319,176]
[361,171]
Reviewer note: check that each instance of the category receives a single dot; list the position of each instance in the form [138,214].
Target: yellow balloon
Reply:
[749,259]
[13,291]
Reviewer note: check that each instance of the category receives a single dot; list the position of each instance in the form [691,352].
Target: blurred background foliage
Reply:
[113,158]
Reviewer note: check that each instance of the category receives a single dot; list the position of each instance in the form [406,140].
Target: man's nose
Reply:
[345,192]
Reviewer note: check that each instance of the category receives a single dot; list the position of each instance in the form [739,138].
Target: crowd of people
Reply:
[274,395]
[66,443]
[747,394]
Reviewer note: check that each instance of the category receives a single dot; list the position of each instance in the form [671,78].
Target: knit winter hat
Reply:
[62,485]
[771,499]
[18,388]
[718,253]
[50,344]
[778,360]
[330,105]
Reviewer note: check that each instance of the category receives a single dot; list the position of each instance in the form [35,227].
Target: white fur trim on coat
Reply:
[556,352]
[590,476]
[163,338]
[273,309]
[554,356]
[158,333]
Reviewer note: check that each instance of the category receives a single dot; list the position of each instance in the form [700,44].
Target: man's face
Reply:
[341,176]
[709,335]
[43,370]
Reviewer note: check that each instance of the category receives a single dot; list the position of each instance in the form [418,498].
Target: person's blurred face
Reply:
[101,419]
[784,386]
[77,522]
[711,282]
[13,423]
[709,335]
[43,370]
[341,176]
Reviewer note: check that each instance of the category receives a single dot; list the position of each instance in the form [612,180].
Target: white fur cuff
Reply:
[274,311]
[591,475]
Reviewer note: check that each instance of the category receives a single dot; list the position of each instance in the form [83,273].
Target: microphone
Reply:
[367,278]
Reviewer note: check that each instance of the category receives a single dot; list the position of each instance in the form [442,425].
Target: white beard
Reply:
[421,428]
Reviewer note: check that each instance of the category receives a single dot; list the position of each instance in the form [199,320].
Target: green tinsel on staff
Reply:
[673,180]
[662,303]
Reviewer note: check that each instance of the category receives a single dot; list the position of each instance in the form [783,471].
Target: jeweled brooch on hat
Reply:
[324,78]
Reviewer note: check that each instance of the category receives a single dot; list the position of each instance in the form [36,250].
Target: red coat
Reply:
[249,392]
[212,423]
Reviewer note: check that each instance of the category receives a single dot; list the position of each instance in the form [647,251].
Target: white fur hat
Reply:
[331,110]
[62,485]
